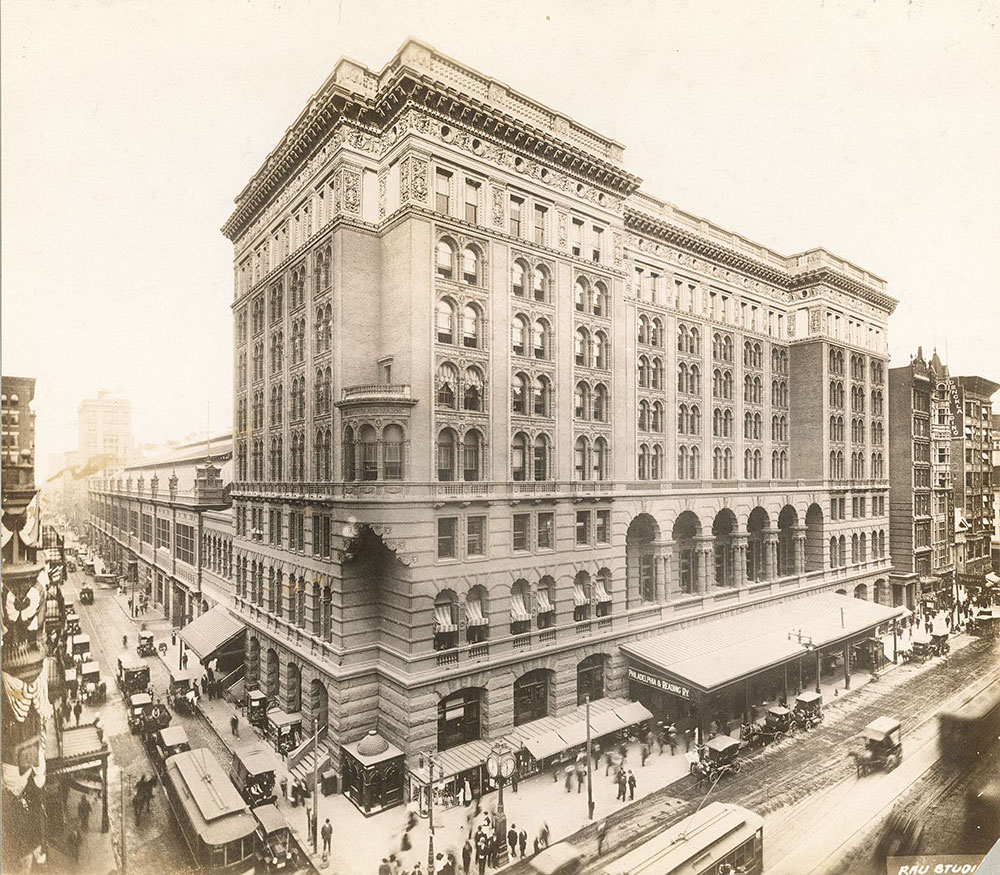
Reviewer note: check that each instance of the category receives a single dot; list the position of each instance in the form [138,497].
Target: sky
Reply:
[128,127]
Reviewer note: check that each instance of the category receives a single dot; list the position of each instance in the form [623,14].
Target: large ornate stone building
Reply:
[499,411]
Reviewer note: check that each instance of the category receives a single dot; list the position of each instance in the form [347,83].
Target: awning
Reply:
[518,612]
[442,619]
[601,593]
[544,605]
[454,761]
[474,613]
[992,578]
[212,632]
[580,596]
[546,745]
[551,735]
[712,654]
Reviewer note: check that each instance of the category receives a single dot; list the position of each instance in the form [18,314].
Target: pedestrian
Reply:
[512,839]
[608,762]
[234,725]
[83,810]
[77,711]
[466,857]
[622,785]
[481,854]
[384,868]
[184,662]
[173,637]
[452,864]
[688,738]
[602,831]
[327,833]
[194,686]
[124,641]
[522,841]
[644,753]
[513,781]
[283,783]
[545,834]
[672,739]
[579,779]
[538,844]
[631,785]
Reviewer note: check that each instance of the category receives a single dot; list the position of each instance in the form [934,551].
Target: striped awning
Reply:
[442,619]
[544,605]
[474,613]
[601,592]
[580,595]
[518,612]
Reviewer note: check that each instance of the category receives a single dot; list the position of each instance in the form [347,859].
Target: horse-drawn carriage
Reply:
[716,758]
[256,708]
[883,748]
[939,644]
[181,685]
[93,690]
[145,647]
[778,722]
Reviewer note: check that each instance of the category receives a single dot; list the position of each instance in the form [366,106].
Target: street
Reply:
[154,844]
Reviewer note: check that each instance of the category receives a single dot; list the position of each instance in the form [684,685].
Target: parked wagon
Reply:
[716,758]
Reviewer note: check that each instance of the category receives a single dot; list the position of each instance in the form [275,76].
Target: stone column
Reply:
[740,559]
[704,550]
[800,549]
[770,554]
[666,555]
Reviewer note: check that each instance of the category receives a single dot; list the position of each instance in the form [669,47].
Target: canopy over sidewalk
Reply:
[214,631]
[711,655]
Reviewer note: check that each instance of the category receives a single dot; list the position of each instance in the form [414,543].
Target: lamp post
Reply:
[430,814]
[501,764]
[590,767]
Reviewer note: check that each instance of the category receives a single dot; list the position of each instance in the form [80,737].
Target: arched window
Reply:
[471,266]
[348,453]
[517,275]
[600,350]
[447,379]
[519,335]
[656,463]
[694,380]
[540,339]
[643,330]
[472,456]
[581,597]
[599,304]
[581,296]
[599,458]
[520,450]
[541,458]
[599,404]
[520,613]
[445,322]
[581,346]
[656,332]
[392,452]
[445,260]
[694,341]
[446,455]
[694,423]
[644,415]
[683,338]
[656,417]
[472,397]
[682,462]
[580,461]
[643,462]
[581,401]
[519,394]
[445,620]
[656,374]
[682,377]
[369,459]
[540,396]
[727,423]
[694,464]
[471,321]
[682,420]
[540,284]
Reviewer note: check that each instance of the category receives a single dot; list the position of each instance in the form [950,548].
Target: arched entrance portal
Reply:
[640,566]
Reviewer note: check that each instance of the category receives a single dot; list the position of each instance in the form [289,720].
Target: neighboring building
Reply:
[167,525]
[26,708]
[921,496]
[972,467]
[105,428]
[499,412]
[995,539]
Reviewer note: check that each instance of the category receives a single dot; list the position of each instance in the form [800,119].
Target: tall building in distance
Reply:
[25,588]
[499,413]
[921,494]
[995,539]
[972,467]
[105,428]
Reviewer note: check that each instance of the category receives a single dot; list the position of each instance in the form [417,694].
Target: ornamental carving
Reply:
[617,249]
[498,207]
[404,180]
[419,180]
[815,320]
[381,193]
[563,235]
[352,192]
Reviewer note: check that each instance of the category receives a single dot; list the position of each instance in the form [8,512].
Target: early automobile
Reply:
[284,730]
[252,774]
[180,685]
[939,644]
[133,675]
[808,709]
[138,705]
[778,722]
[257,709]
[277,848]
[169,741]
[72,623]
[717,757]
[145,644]
[921,649]
[86,595]
[153,720]
[92,688]
[78,648]
[883,749]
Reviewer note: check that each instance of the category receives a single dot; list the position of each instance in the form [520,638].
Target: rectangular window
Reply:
[603,530]
[522,531]
[583,527]
[545,527]
[442,191]
[133,523]
[577,238]
[163,533]
[541,221]
[598,244]
[447,527]
[516,209]
[147,529]
[471,201]
[184,546]
[274,526]
[475,539]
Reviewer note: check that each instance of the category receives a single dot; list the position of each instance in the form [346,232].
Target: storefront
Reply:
[722,670]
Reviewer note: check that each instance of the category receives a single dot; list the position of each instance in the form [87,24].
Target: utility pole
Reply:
[315,817]
[124,789]
[430,814]
[590,767]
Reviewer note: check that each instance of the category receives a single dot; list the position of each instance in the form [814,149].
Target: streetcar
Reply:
[719,838]
[217,825]
[964,732]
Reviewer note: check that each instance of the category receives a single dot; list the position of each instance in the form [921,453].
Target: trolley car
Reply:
[721,837]
[965,732]
[217,825]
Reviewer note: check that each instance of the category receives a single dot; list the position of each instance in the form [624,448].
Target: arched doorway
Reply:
[640,571]
[532,691]
[757,523]
[861,591]
[590,674]
[320,704]
[271,673]
[788,520]
[723,527]
[686,529]
[814,538]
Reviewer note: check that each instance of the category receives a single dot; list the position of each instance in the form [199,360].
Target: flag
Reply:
[92,466]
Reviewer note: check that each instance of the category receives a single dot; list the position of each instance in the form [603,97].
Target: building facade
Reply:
[171,536]
[995,539]
[105,428]
[972,468]
[922,499]
[26,708]
[498,411]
